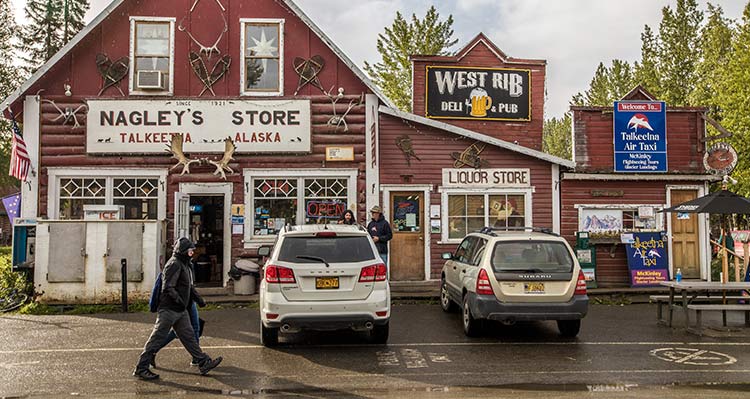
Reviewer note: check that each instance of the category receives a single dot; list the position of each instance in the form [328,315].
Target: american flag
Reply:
[19,157]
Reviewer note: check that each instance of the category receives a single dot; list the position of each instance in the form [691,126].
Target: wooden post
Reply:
[745,257]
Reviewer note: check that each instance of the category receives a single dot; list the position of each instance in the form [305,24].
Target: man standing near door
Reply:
[380,231]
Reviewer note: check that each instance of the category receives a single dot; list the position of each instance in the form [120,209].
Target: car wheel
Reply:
[268,336]
[445,300]
[472,326]
[379,334]
[569,328]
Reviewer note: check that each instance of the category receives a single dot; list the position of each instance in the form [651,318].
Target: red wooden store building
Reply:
[594,191]
[271,122]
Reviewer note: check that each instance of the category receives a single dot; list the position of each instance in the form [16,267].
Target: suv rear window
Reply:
[528,256]
[332,249]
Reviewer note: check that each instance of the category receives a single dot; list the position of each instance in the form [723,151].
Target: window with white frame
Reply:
[262,72]
[309,197]
[139,196]
[77,192]
[465,212]
[152,55]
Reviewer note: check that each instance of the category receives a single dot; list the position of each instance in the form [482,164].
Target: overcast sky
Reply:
[572,35]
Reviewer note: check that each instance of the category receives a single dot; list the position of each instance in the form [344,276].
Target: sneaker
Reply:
[152,362]
[145,374]
[210,364]
[195,363]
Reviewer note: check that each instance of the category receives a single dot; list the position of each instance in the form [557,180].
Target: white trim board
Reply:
[13,97]
[243,40]
[54,173]
[477,136]
[217,189]
[425,189]
[638,177]
[31,129]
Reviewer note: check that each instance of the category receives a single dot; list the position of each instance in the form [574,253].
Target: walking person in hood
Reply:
[177,293]
[380,231]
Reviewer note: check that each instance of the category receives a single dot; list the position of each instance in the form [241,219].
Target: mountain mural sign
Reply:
[640,136]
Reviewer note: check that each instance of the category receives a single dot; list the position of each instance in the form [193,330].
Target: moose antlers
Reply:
[223,163]
[175,147]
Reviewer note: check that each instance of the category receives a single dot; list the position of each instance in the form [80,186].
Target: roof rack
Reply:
[491,230]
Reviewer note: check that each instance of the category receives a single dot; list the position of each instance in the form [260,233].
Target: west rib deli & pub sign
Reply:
[499,94]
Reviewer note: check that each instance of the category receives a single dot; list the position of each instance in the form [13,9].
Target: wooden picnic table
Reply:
[689,290]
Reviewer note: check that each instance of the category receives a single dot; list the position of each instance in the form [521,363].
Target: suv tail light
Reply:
[373,273]
[279,275]
[581,284]
[484,287]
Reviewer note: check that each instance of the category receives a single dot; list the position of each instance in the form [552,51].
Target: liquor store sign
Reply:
[486,178]
[134,126]
[499,94]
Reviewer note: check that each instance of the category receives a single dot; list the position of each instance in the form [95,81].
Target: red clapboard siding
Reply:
[434,148]
[594,137]
[528,134]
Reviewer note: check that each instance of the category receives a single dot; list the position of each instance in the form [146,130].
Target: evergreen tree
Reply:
[598,92]
[428,36]
[621,79]
[557,137]
[714,50]
[10,78]
[51,24]
[647,70]
[607,86]
[678,50]
[73,13]
[732,94]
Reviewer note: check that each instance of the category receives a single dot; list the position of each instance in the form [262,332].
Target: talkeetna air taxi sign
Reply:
[478,93]
[640,136]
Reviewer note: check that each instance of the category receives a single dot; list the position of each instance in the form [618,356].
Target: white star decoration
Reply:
[263,48]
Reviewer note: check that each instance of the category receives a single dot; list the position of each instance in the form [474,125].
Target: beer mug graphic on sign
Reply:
[480,102]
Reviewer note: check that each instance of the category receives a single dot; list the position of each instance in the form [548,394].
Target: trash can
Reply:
[245,274]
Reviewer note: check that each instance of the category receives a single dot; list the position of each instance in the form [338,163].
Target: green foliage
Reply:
[10,79]
[647,70]
[428,36]
[10,281]
[733,99]
[714,51]
[608,85]
[678,50]
[557,137]
[51,24]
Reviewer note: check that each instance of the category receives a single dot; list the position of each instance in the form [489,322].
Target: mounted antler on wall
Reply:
[175,147]
[67,113]
[338,120]
[223,164]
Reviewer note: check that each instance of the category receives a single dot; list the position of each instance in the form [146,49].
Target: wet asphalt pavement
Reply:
[620,352]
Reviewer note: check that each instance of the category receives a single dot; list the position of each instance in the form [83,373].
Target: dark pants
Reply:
[165,321]
[194,321]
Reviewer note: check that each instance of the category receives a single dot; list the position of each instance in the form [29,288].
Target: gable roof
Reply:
[468,47]
[477,136]
[639,93]
[21,90]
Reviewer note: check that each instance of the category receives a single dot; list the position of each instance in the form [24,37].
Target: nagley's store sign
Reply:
[486,178]
[499,94]
[133,126]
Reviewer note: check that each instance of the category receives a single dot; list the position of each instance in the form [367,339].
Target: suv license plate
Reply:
[326,283]
[533,288]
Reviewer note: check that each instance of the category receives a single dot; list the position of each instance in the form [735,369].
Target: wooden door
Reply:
[685,236]
[407,246]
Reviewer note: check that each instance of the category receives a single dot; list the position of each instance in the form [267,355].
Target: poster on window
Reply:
[600,220]
[405,215]
[647,259]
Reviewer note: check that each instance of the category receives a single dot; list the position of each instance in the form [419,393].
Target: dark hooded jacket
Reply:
[381,229]
[177,288]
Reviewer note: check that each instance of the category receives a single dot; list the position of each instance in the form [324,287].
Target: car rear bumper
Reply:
[488,307]
[325,315]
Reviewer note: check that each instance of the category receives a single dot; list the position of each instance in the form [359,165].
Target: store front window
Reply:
[469,212]
[315,198]
[140,195]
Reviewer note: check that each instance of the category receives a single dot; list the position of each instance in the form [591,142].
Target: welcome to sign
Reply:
[135,126]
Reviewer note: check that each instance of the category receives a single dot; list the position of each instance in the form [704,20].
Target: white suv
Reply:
[324,277]
[514,274]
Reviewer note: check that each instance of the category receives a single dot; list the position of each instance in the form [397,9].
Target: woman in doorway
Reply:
[348,217]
